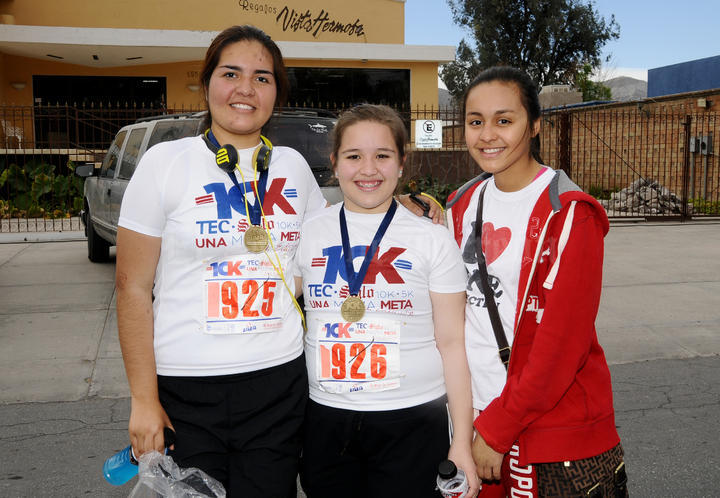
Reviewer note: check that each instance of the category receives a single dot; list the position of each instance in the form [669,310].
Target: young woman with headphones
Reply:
[208,228]
[209,327]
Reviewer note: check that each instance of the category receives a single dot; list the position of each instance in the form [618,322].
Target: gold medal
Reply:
[256,239]
[352,309]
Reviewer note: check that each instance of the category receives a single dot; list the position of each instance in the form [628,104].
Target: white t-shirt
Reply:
[505,222]
[388,360]
[218,308]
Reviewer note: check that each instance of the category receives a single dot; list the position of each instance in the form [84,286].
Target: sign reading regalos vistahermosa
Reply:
[313,22]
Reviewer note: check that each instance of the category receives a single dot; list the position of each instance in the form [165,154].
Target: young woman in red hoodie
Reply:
[546,417]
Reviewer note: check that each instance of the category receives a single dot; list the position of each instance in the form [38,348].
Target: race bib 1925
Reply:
[242,295]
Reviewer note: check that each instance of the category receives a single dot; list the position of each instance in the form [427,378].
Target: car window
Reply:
[131,153]
[111,158]
[310,137]
[173,129]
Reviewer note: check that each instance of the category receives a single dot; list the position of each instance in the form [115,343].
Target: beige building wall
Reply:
[178,75]
[287,21]
[366,21]
[424,85]
[423,80]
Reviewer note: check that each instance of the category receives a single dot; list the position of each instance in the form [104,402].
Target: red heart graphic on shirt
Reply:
[494,241]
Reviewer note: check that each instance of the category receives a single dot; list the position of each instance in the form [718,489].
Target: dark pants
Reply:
[243,430]
[601,476]
[356,454]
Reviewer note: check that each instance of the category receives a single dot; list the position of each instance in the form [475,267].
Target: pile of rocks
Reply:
[643,197]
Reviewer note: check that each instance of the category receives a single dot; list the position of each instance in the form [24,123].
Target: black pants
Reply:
[244,430]
[355,454]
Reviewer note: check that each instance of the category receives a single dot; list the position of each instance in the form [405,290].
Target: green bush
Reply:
[34,190]
[431,186]
[601,193]
[705,206]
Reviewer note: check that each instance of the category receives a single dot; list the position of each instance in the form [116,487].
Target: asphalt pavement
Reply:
[64,403]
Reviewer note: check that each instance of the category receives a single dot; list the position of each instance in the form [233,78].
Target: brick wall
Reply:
[444,166]
[608,147]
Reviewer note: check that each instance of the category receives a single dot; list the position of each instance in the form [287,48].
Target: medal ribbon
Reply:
[257,215]
[355,280]
[254,210]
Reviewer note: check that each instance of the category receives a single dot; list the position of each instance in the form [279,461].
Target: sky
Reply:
[653,33]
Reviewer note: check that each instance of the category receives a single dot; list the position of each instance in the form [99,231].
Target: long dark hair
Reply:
[235,34]
[528,96]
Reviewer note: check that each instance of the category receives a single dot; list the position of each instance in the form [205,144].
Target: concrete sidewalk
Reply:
[660,292]
[62,382]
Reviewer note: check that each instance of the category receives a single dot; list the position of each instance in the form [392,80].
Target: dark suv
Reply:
[305,130]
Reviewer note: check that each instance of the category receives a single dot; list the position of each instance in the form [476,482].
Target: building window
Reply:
[96,91]
[345,87]
[88,110]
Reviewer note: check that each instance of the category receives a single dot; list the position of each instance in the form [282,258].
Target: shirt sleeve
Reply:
[300,251]
[316,199]
[447,272]
[142,207]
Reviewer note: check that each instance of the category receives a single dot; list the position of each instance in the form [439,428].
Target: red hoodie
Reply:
[557,400]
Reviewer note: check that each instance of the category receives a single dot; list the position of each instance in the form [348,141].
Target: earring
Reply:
[400,174]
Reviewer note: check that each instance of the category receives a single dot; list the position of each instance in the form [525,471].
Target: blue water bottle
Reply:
[123,466]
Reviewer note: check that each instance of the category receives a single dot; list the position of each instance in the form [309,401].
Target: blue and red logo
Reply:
[229,200]
[385,264]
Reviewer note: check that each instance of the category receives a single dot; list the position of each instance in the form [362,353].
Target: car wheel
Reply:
[98,248]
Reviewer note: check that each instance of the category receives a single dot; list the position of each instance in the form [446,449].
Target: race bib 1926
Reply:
[358,356]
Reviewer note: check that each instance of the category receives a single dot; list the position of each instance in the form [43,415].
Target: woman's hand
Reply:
[147,423]
[487,460]
[461,455]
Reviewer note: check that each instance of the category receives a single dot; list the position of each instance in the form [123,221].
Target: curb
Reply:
[24,237]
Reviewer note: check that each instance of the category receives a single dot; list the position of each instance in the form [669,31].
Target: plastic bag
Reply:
[160,476]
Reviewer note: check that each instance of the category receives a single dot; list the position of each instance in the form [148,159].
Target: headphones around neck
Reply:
[226,156]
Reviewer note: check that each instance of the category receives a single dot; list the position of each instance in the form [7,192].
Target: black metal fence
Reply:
[639,163]
[39,149]
[68,126]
